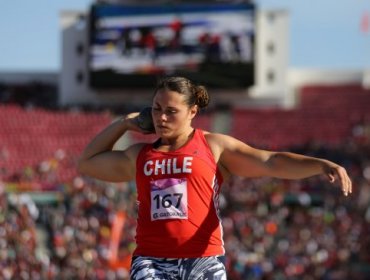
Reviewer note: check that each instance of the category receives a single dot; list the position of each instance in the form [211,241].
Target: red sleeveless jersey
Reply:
[178,195]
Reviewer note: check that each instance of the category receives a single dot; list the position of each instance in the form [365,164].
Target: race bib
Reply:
[169,199]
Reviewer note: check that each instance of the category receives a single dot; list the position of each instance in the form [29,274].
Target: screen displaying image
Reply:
[132,46]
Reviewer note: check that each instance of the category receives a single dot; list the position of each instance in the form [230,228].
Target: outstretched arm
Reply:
[243,160]
[98,160]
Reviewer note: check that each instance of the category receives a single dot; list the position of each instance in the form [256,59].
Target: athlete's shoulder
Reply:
[218,138]
[216,141]
[209,134]
[134,150]
[222,142]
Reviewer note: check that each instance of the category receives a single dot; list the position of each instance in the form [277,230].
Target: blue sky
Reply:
[323,33]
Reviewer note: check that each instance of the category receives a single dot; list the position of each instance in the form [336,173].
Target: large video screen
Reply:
[133,46]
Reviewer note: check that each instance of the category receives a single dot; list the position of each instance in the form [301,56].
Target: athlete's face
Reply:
[171,115]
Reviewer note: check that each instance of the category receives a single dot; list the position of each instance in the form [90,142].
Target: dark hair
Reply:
[194,94]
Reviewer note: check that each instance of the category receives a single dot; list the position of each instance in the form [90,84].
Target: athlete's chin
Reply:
[163,128]
[164,131]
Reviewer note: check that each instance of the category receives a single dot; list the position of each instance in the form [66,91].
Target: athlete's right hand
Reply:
[131,121]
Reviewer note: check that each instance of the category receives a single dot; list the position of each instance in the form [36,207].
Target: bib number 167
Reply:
[168,200]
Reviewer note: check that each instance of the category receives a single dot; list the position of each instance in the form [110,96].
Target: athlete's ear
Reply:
[193,111]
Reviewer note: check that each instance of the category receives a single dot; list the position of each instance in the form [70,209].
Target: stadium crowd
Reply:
[273,229]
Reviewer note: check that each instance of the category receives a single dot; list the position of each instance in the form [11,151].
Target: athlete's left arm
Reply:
[243,160]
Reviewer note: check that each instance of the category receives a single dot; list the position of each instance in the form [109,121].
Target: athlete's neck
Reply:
[171,144]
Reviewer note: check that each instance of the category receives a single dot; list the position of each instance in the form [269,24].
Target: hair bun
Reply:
[201,96]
